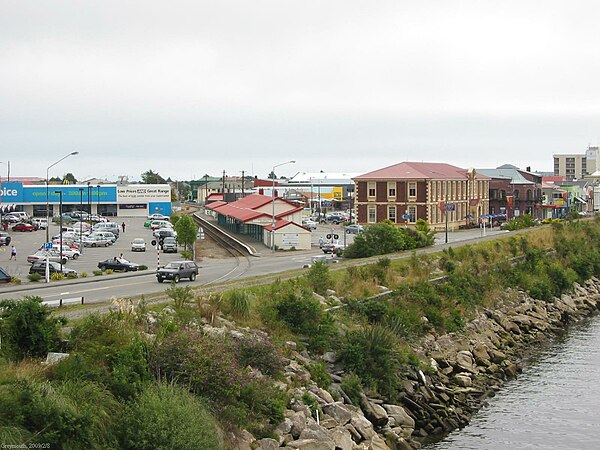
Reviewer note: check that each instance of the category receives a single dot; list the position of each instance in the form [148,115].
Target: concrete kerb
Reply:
[67,282]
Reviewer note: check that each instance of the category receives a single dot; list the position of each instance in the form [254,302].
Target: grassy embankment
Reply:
[141,378]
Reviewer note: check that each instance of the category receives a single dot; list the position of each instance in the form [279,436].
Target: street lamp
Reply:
[89,208]
[98,207]
[7,170]
[60,194]
[80,220]
[47,193]
[273,203]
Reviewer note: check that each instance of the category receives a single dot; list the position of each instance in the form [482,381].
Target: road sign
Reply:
[47,245]
[450,207]
[336,236]
[405,216]
[328,236]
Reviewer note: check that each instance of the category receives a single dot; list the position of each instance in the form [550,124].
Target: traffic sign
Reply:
[47,245]
[450,207]
[336,236]
[328,236]
[405,216]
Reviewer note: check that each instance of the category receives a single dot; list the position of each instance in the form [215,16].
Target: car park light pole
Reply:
[273,203]
[47,193]
[89,208]
[60,194]
[98,207]
[80,221]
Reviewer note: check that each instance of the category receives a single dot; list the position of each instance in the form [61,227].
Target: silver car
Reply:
[138,245]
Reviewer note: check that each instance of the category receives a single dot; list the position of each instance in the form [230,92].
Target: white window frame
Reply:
[371,185]
[395,213]
[412,186]
[373,218]
[391,187]
[412,212]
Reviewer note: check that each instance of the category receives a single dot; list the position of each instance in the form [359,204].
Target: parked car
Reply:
[51,254]
[164,233]
[118,264]
[157,224]
[4,238]
[169,245]
[310,224]
[69,252]
[23,227]
[66,218]
[354,229]
[10,218]
[41,224]
[157,216]
[107,226]
[138,245]
[177,270]
[95,241]
[335,247]
[4,276]
[106,235]
[53,267]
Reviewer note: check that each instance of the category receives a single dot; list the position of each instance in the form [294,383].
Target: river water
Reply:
[553,404]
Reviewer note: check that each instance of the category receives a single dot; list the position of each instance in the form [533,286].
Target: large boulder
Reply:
[314,431]
[267,444]
[311,444]
[338,411]
[342,438]
[298,420]
[400,416]
[464,360]
[363,426]
[373,412]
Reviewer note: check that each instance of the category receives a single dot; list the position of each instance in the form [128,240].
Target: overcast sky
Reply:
[193,87]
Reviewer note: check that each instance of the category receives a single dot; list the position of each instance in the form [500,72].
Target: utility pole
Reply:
[243,179]
[223,185]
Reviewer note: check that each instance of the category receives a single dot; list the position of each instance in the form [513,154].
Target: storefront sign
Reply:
[144,192]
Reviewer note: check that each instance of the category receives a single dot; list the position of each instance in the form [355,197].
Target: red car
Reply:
[23,227]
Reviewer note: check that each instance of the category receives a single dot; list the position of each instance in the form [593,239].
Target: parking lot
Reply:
[28,243]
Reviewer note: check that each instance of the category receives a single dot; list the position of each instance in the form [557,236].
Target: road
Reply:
[212,271]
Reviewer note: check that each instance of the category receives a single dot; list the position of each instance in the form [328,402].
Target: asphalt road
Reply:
[212,271]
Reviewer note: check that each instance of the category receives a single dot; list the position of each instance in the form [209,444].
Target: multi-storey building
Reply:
[408,191]
[576,166]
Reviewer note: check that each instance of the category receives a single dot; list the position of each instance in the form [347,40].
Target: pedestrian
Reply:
[123,227]
[5,226]
[321,241]
[13,253]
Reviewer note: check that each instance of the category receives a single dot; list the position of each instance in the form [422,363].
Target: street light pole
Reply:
[89,208]
[60,224]
[47,193]
[80,220]
[98,207]
[273,203]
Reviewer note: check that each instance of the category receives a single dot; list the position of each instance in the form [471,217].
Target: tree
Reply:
[151,177]
[27,330]
[186,231]
[69,179]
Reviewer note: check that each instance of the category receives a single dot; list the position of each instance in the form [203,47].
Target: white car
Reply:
[69,252]
[106,235]
[42,224]
[158,216]
[310,224]
[95,241]
[138,245]
[52,256]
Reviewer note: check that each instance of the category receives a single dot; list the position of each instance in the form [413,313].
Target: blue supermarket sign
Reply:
[15,192]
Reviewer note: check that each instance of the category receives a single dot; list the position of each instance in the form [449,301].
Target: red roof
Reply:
[215,205]
[244,209]
[552,179]
[418,170]
[215,196]
[282,224]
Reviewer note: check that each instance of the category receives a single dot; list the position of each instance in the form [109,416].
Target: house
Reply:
[439,193]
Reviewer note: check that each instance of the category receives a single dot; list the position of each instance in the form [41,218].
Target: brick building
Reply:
[408,191]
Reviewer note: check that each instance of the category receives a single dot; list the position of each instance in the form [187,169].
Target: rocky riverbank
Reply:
[463,370]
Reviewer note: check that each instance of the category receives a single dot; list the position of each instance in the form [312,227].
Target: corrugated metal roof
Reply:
[284,223]
[418,170]
[513,175]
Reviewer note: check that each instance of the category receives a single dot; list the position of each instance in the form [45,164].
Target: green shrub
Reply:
[260,354]
[371,354]
[180,295]
[27,329]
[57,276]
[319,374]
[71,276]
[352,387]
[300,312]
[205,364]
[186,254]
[34,277]
[83,275]
[380,239]
[237,303]
[97,273]
[15,280]
[168,417]
[108,271]
[69,414]
[264,406]
[319,278]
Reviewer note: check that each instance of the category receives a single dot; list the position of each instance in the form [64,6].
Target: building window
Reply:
[412,189]
[412,213]
[372,216]
[516,194]
[371,188]
[392,190]
[392,213]
[529,195]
